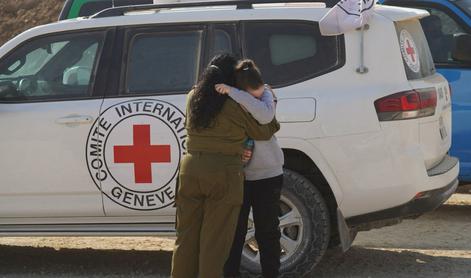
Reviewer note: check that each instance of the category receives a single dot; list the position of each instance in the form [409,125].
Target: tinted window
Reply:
[163,62]
[415,51]
[290,52]
[222,43]
[222,39]
[440,29]
[465,5]
[53,67]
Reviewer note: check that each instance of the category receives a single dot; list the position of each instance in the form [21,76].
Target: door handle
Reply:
[75,120]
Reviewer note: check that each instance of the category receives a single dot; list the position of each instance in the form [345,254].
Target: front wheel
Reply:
[304,226]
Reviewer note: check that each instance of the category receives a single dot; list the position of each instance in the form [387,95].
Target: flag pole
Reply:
[362,69]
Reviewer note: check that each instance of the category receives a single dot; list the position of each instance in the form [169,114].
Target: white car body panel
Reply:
[36,149]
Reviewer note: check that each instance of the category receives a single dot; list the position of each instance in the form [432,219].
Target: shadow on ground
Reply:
[365,262]
[16,261]
[19,261]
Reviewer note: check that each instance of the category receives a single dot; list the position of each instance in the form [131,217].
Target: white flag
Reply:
[345,16]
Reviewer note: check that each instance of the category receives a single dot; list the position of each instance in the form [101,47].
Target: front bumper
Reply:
[429,201]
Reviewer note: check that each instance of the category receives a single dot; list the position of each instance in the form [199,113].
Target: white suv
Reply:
[92,121]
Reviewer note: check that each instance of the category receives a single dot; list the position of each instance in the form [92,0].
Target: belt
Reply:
[205,153]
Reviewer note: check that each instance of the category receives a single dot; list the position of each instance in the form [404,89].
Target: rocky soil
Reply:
[17,16]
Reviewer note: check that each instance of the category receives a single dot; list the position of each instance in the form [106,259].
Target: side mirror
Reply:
[461,50]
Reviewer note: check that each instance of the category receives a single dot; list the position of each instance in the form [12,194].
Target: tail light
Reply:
[407,105]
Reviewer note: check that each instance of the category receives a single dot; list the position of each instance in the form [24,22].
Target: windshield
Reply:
[465,5]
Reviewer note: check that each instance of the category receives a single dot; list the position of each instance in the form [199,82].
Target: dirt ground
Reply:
[437,244]
[19,15]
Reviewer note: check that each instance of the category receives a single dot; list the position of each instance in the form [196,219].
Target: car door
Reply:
[144,114]
[439,28]
[143,134]
[48,104]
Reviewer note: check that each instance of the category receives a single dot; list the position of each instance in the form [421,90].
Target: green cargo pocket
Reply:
[177,188]
[234,185]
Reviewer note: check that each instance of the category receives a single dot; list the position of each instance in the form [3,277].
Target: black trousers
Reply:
[263,196]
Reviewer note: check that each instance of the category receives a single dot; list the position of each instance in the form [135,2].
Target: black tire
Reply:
[314,212]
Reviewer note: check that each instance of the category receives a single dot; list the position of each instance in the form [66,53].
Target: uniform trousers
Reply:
[208,202]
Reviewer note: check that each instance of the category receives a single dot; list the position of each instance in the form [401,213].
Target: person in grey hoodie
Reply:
[263,174]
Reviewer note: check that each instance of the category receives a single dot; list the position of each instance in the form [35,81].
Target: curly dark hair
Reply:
[206,103]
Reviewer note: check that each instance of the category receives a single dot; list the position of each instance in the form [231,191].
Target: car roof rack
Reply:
[85,8]
[240,4]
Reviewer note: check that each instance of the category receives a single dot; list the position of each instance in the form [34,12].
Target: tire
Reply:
[306,236]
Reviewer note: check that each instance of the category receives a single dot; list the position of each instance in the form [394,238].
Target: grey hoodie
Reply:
[267,158]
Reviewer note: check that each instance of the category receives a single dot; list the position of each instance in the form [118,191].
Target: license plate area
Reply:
[443,132]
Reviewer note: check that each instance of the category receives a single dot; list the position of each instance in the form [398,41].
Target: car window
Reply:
[53,67]
[223,39]
[290,52]
[464,5]
[35,60]
[222,43]
[415,51]
[439,28]
[163,62]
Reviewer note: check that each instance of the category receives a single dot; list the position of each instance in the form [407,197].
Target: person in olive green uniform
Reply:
[211,178]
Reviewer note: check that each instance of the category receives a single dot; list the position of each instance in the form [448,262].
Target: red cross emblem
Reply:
[142,154]
[410,50]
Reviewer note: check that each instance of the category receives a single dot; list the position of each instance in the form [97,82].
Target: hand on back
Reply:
[223,89]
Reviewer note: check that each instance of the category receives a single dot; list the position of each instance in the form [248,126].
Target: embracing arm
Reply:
[257,131]
[253,129]
[262,110]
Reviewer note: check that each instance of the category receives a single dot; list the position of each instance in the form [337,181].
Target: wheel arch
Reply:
[302,157]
